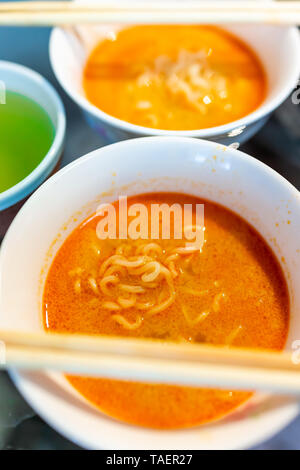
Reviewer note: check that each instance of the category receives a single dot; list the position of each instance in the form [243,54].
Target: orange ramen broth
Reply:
[232,293]
[174,77]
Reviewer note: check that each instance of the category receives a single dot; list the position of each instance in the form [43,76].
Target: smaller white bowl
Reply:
[32,85]
[201,168]
[277,47]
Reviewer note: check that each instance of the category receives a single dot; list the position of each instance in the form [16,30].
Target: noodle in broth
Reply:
[230,293]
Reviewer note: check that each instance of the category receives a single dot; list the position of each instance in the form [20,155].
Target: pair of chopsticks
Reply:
[151,361]
[185,12]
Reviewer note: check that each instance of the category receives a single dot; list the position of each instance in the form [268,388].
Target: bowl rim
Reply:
[39,397]
[260,112]
[26,186]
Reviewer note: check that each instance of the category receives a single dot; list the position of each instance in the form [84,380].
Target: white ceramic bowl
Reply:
[277,48]
[31,84]
[198,167]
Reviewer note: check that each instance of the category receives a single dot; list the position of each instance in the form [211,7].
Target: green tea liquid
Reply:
[26,135]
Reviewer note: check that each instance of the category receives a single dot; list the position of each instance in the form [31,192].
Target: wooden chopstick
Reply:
[152,361]
[57,13]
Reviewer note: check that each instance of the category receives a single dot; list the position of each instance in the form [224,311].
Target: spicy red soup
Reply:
[232,292]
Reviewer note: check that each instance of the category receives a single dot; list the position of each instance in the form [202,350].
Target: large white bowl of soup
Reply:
[239,290]
[212,82]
